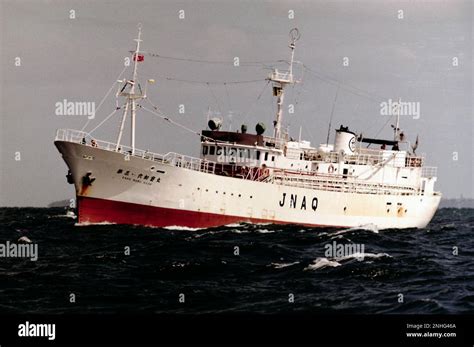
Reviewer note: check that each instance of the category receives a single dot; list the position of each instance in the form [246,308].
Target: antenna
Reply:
[396,128]
[332,114]
[230,115]
[294,36]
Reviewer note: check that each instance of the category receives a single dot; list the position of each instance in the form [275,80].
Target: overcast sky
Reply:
[79,59]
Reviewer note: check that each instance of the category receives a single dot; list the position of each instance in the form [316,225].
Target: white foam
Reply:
[84,224]
[177,227]
[283,265]
[265,231]
[361,256]
[63,216]
[369,227]
[179,264]
[24,239]
[204,234]
[320,263]
[237,231]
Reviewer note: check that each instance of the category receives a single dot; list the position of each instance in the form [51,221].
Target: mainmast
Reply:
[131,96]
[280,80]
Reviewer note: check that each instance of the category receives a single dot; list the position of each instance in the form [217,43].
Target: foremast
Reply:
[131,96]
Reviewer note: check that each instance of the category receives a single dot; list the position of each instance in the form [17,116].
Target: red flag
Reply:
[138,57]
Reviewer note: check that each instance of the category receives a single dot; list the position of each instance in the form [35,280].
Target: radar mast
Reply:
[280,80]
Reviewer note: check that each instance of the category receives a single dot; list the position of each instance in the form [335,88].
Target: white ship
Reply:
[244,177]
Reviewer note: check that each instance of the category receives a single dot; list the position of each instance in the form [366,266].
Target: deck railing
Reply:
[281,76]
[369,157]
[171,158]
[341,185]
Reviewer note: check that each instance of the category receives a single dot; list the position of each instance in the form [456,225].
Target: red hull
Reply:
[93,210]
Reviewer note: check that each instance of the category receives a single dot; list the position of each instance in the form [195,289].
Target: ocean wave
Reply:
[283,265]
[64,216]
[265,231]
[196,236]
[320,263]
[177,227]
[238,231]
[85,224]
[362,256]
[367,227]
[323,262]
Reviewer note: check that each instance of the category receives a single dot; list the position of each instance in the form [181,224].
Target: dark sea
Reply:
[274,269]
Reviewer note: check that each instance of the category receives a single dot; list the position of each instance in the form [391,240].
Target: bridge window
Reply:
[273,158]
[249,155]
[204,150]
[212,150]
[266,155]
[258,155]
[219,150]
